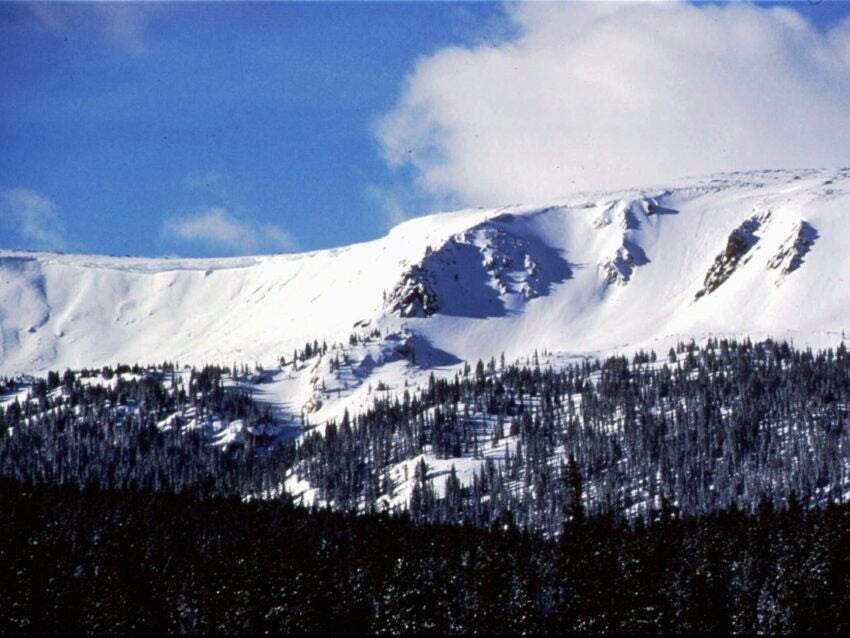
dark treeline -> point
(95, 561)
(134, 433)
(703, 427)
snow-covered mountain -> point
(760, 254)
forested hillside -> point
(703, 427)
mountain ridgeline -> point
(758, 254)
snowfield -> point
(758, 254)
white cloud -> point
(216, 228)
(30, 218)
(603, 95)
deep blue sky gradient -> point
(266, 109)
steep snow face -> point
(761, 253)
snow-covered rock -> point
(735, 254)
(790, 255)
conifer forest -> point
(699, 490)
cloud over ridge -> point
(30, 218)
(603, 95)
(218, 229)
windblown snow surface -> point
(753, 254)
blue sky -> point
(224, 128)
(126, 119)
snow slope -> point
(759, 253)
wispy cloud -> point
(389, 206)
(29, 219)
(123, 25)
(397, 201)
(216, 228)
(602, 95)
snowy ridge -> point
(592, 274)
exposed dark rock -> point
(740, 242)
